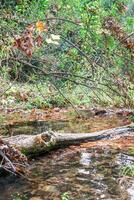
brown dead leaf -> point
(25, 42)
(39, 40)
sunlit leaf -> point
(50, 41)
(55, 37)
(40, 26)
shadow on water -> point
(71, 174)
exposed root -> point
(12, 160)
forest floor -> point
(85, 119)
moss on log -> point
(35, 144)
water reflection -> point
(83, 171)
(86, 175)
(130, 191)
(68, 125)
(85, 158)
(123, 159)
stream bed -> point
(84, 172)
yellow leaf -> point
(40, 26)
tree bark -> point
(36, 144)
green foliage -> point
(2, 118)
(132, 117)
(18, 196)
(128, 170)
(85, 50)
(64, 196)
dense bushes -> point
(87, 54)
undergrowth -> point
(29, 96)
(66, 53)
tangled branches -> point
(12, 160)
(118, 32)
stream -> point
(84, 172)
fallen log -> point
(44, 142)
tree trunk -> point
(35, 144)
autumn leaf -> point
(40, 26)
(30, 28)
(39, 40)
(25, 42)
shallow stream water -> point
(73, 173)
